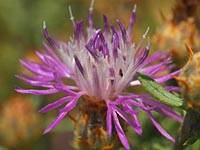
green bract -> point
(158, 92)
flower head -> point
(189, 79)
(102, 63)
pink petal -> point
(120, 132)
(159, 128)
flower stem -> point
(189, 132)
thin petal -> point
(127, 108)
(157, 56)
(37, 68)
(164, 78)
(128, 120)
(153, 69)
(62, 114)
(159, 128)
(159, 79)
(36, 83)
(36, 92)
(120, 132)
(171, 114)
(55, 122)
(55, 104)
(172, 88)
(71, 104)
(109, 120)
(37, 78)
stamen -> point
(44, 25)
(90, 46)
(144, 55)
(148, 44)
(71, 15)
(115, 46)
(91, 6)
(106, 26)
(96, 82)
(48, 38)
(112, 72)
(123, 31)
(142, 39)
(132, 20)
(90, 16)
(78, 64)
(102, 45)
(115, 42)
(79, 31)
(134, 8)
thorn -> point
(190, 52)
(162, 16)
(72, 118)
(183, 81)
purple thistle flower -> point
(102, 63)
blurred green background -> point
(21, 23)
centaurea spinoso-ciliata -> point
(102, 63)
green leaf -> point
(158, 92)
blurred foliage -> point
(22, 20)
(179, 28)
(20, 124)
(21, 33)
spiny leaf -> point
(158, 92)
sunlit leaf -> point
(158, 92)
